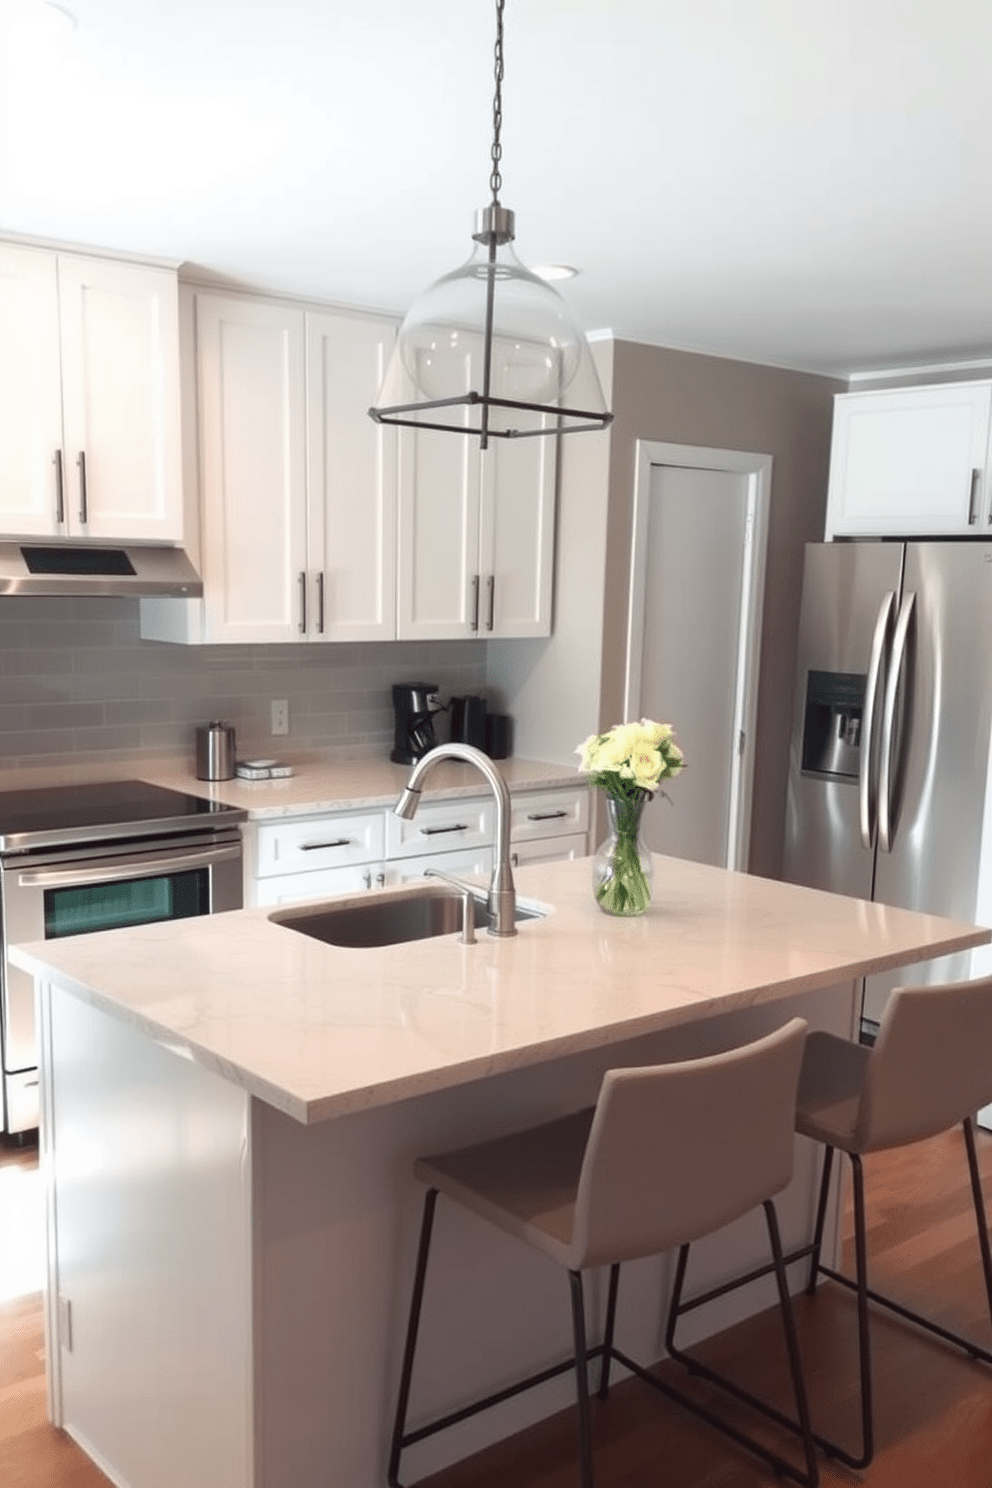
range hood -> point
(82, 568)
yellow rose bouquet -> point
(628, 763)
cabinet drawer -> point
(442, 826)
(460, 864)
(317, 842)
(292, 888)
(548, 814)
(549, 850)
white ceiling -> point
(806, 183)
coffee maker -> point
(414, 704)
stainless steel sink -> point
(391, 919)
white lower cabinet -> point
(460, 863)
(346, 852)
(549, 849)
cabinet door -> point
(548, 813)
(351, 481)
(910, 462)
(30, 392)
(478, 860)
(250, 374)
(120, 399)
(439, 579)
(516, 558)
(327, 883)
(550, 850)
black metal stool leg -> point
(821, 1215)
(792, 1342)
(608, 1331)
(673, 1309)
(581, 1380)
(864, 1342)
(808, 1475)
(406, 1374)
(976, 1193)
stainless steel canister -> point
(215, 751)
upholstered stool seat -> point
(656, 1164)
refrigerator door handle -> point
(865, 767)
(885, 779)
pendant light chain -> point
(495, 179)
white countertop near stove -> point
(322, 785)
(319, 1031)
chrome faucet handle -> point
(468, 894)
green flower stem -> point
(626, 891)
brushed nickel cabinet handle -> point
(976, 476)
(319, 846)
(474, 622)
(545, 815)
(320, 603)
(303, 603)
(491, 607)
(440, 831)
(83, 503)
(59, 489)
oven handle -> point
(129, 867)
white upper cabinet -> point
(476, 537)
(89, 398)
(351, 481)
(911, 462)
(252, 468)
(438, 580)
(516, 558)
(297, 484)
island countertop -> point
(318, 1031)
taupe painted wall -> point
(682, 398)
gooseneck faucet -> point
(502, 902)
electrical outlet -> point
(280, 716)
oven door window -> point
(128, 901)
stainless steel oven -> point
(99, 857)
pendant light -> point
(492, 350)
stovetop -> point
(101, 811)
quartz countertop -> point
(318, 1031)
(321, 785)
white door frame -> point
(758, 470)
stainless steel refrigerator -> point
(888, 794)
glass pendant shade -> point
(539, 376)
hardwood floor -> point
(933, 1405)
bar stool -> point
(929, 1070)
(669, 1153)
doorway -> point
(694, 629)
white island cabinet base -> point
(232, 1213)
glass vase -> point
(621, 869)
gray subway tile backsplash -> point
(77, 683)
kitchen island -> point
(231, 1110)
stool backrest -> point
(677, 1150)
(931, 1065)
